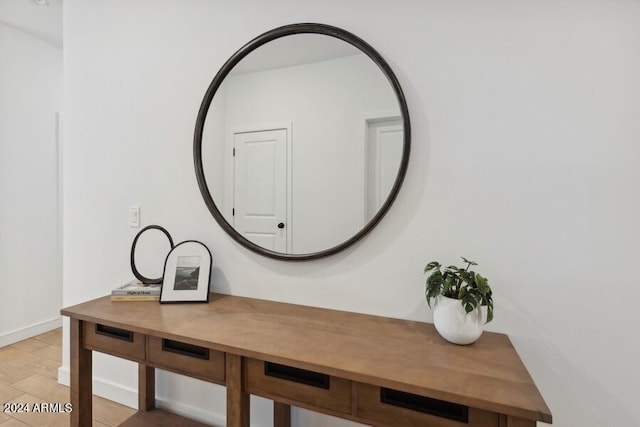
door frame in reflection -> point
(369, 121)
(231, 179)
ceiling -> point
(40, 18)
(294, 50)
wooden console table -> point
(374, 370)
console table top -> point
(399, 354)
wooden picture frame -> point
(187, 271)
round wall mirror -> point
(302, 142)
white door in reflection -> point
(260, 190)
(383, 155)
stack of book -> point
(136, 291)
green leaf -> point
(435, 279)
(431, 266)
(483, 284)
(468, 307)
(462, 292)
(448, 284)
(467, 276)
(489, 314)
(469, 262)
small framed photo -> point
(187, 270)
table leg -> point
(81, 375)
(146, 387)
(281, 415)
(509, 421)
(237, 399)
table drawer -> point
(393, 407)
(116, 341)
(299, 387)
(187, 359)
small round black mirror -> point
(152, 245)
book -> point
(135, 297)
(137, 288)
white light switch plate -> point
(134, 216)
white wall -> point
(524, 158)
(30, 256)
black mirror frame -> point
(134, 269)
(287, 30)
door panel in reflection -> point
(384, 153)
(260, 190)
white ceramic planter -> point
(454, 324)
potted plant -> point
(458, 294)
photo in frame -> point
(187, 270)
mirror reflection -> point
(302, 143)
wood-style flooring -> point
(28, 375)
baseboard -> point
(107, 389)
(194, 413)
(129, 397)
(30, 331)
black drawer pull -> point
(427, 405)
(296, 375)
(185, 349)
(117, 333)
